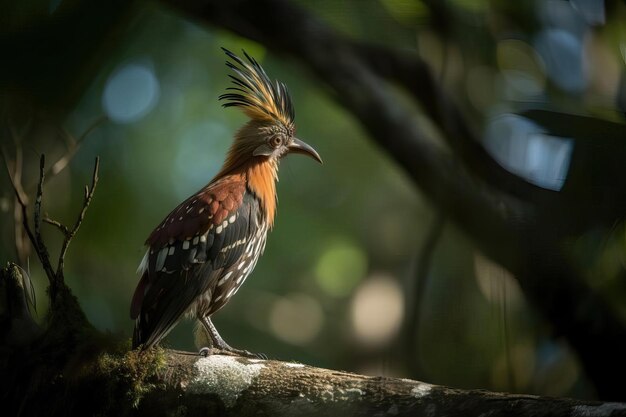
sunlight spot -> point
(130, 93)
(521, 67)
(296, 318)
(377, 310)
(200, 152)
(524, 148)
(340, 268)
(495, 282)
(562, 53)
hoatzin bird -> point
(203, 251)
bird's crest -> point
(255, 93)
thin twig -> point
(39, 198)
(35, 239)
(70, 235)
(40, 246)
(58, 224)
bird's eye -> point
(276, 141)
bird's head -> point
(270, 134)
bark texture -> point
(232, 386)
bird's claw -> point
(262, 356)
(251, 355)
(243, 353)
(229, 351)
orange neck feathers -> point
(259, 172)
(262, 177)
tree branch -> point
(55, 278)
(231, 386)
(39, 244)
(406, 68)
(71, 233)
(34, 238)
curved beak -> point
(298, 146)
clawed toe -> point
(251, 355)
(207, 351)
(260, 355)
(243, 353)
(248, 354)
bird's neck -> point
(260, 172)
(261, 177)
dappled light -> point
(377, 310)
(524, 148)
(340, 268)
(130, 93)
(296, 318)
(496, 283)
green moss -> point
(130, 373)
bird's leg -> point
(219, 343)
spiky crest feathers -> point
(255, 94)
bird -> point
(202, 252)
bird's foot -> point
(230, 351)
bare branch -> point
(35, 238)
(71, 233)
(40, 246)
(414, 74)
(39, 197)
(57, 224)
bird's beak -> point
(298, 146)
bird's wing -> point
(187, 253)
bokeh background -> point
(338, 284)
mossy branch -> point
(173, 383)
